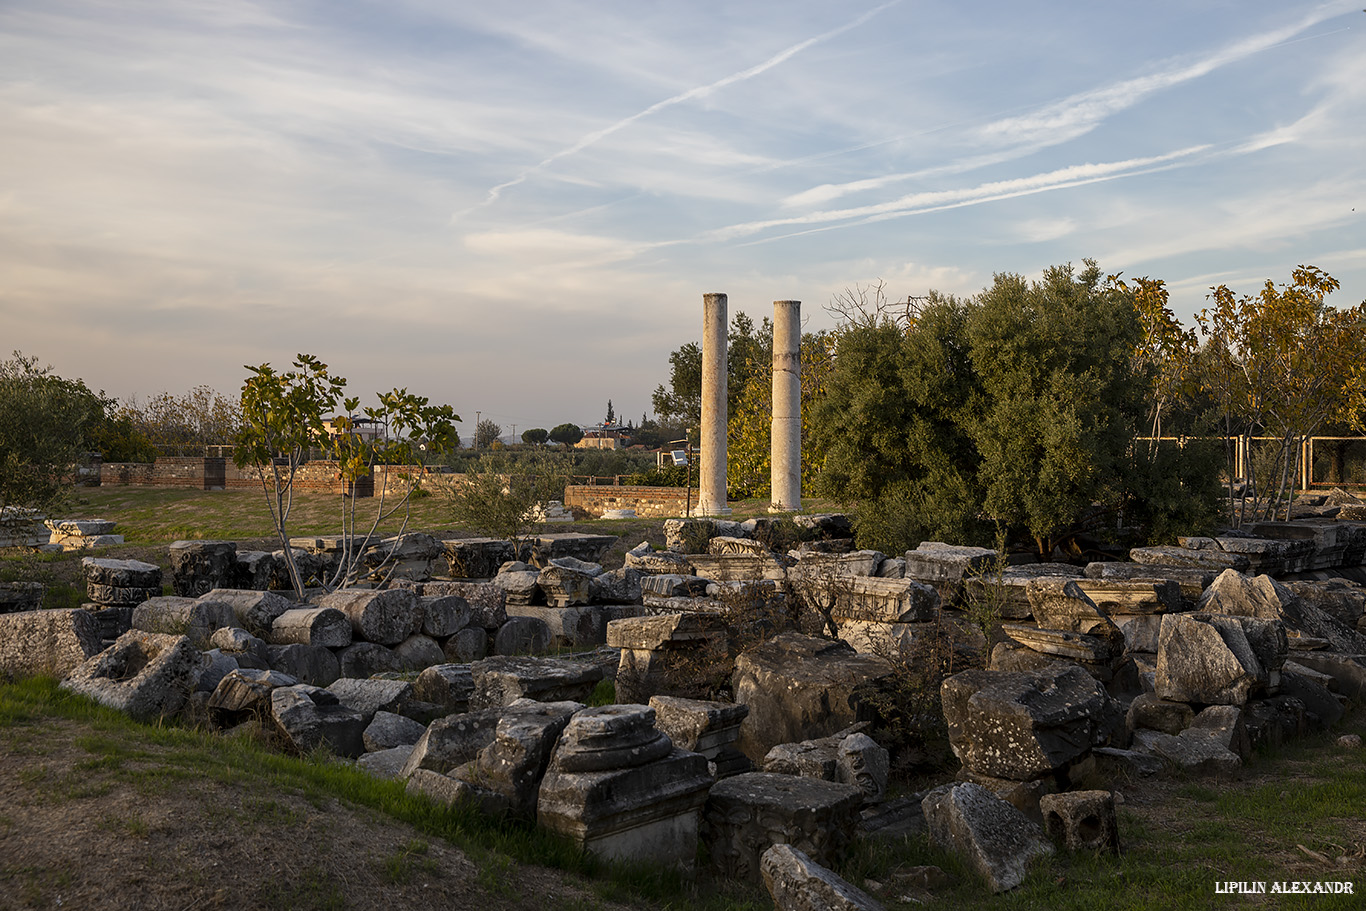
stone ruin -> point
(1185, 658)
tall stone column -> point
(785, 457)
(711, 483)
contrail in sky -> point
(701, 91)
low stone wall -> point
(214, 474)
(646, 501)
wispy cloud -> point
(914, 203)
(692, 94)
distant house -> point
(604, 436)
(366, 429)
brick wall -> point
(646, 501)
(202, 474)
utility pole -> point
(476, 430)
(513, 440)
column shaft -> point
(786, 452)
(711, 483)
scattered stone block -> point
(520, 587)
(53, 642)
(565, 583)
(747, 814)
(443, 615)
(486, 600)
(1194, 752)
(198, 567)
(619, 586)
(386, 616)
(388, 730)
(370, 696)
(512, 765)
(662, 654)
(938, 564)
(709, 728)
(447, 685)
(470, 644)
(797, 883)
(797, 686)
(21, 596)
(198, 619)
(645, 559)
(1024, 726)
(1082, 820)
(366, 659)
(406, 556)
(385, 763)
(311, 664)
(144, 675)
(321, 626)
(588, 548)
(1214, 659)
(1149, 711)
(310, 718)
(245, 692)
(477, 558)
(256, 610)
(1190, 579)
(503, 680)
(1210, 560)
(522, 636)
(737, 567)
(418, 652)
(994, 838)
(868, 598)
(618, 787)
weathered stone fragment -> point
(658, 653)
(936, 563)
(1082, 820)
(502, 680)
(121, 573)
(51, 642)
(21, 596)
(522, 636)
(1211, 560)
(470, 644)
(386, 616)
(256, 610)
(245, 691)
(324, 626)
(443, 615)
(619, 586)
(1026, 725)
(370, 696)
(747, 814)
(994, 838)
(1214, 659)
(385, 763)
(311, 664)
(406, 556)
(868, 598)
(797, 883)
(797, 686)
(477, 558)
(486, 600)
(736, 567)
(447, 685)
(198, 567)
(519, 587)
(145, 675)
(588, 548)
(388, 730)
(514, 763)
(418, 652)
(1149, 711)
(198, 619)
(646, 560)
(366, 659)
(566, 582)
(619, 788)
(709, 728)
(1190, 579)
(309, 717)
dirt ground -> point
(72, 835)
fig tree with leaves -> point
(287, 416)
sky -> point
(516, 208)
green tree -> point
(1060, 399)
(502, 499)
(536, 436)
(286, 417)
(566, 434)
(892, 426)
(681, 403)
(47, 424)
(1283, 363)
(486, 433)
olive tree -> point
(47, 423)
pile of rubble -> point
(1186, 658)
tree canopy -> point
(47, 424)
